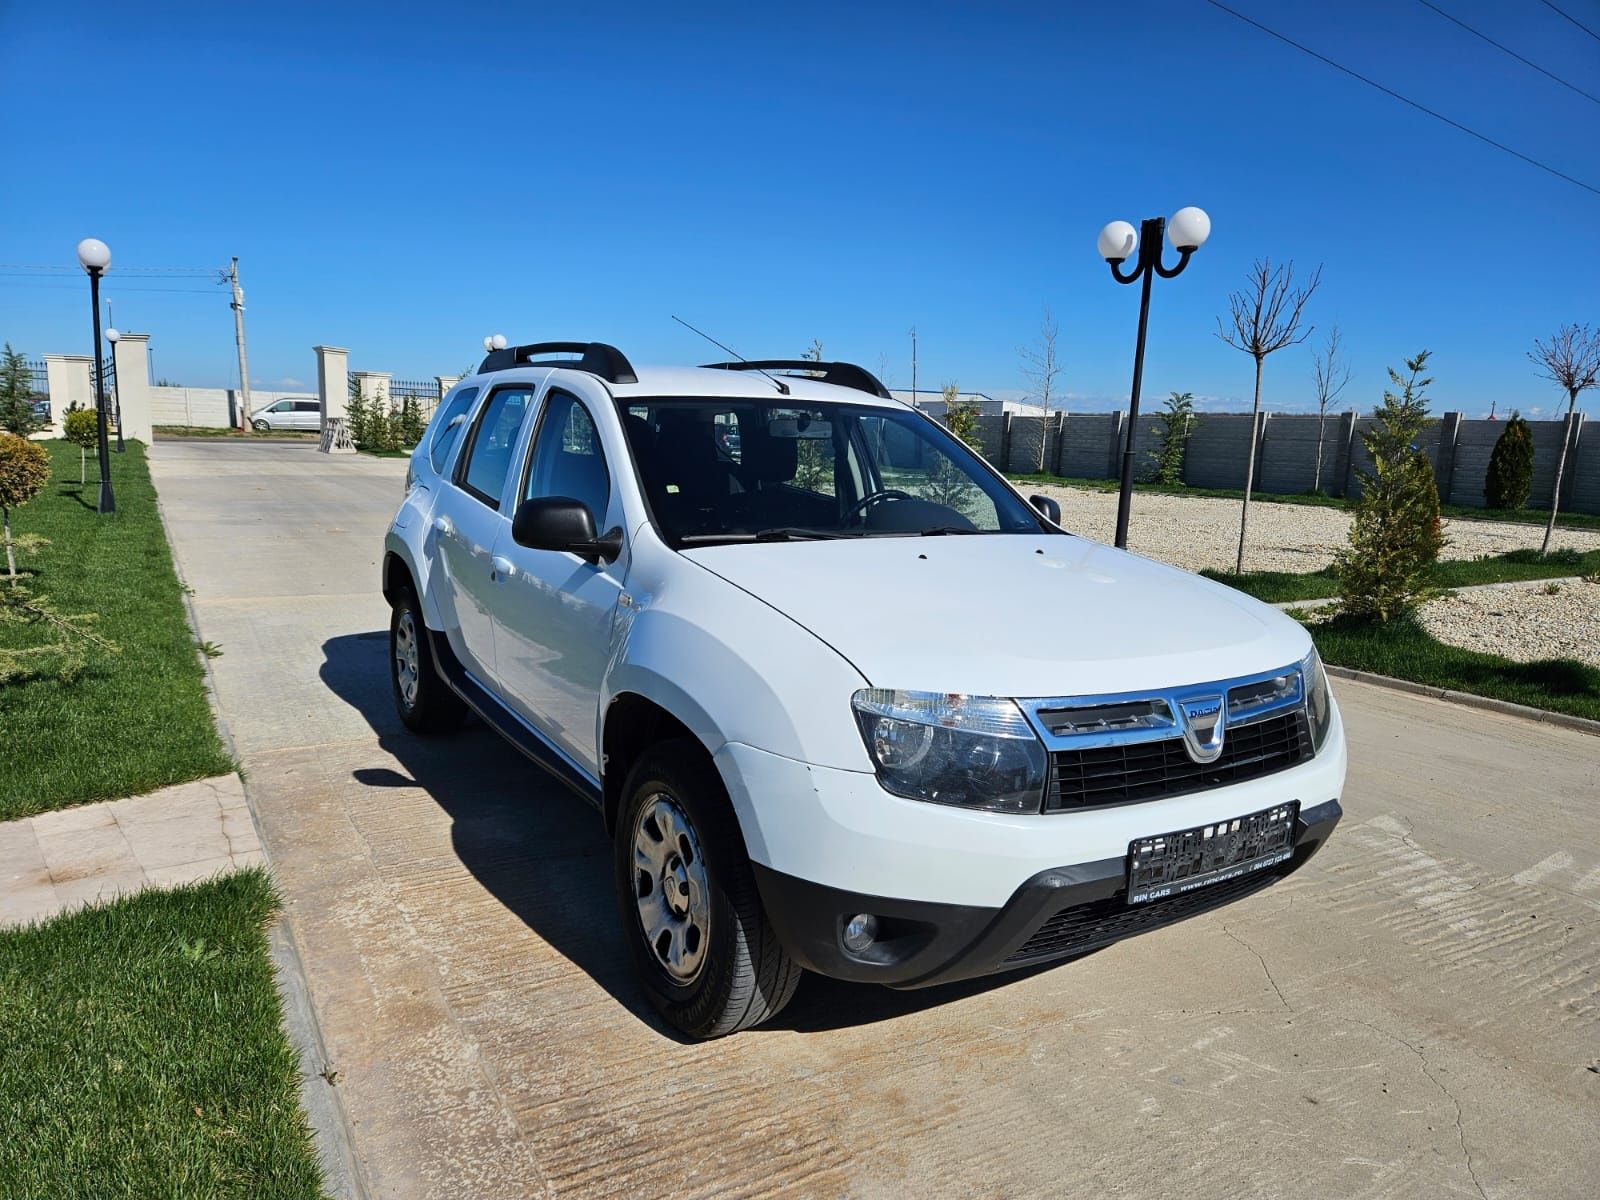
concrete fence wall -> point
(213, 408)
(1089, 446)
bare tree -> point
(813, 351)
(1570, 358)
(1330, 373)
(1040, 366)
(883, 371)
(1263, 318)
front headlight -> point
(972, 751)
(1319, 703)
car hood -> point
(1011, 614)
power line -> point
(1573, 19)
(54, 269)
(72, 287)
(1422, 108)
(1508, 50)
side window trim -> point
(550, 396)
(464, 455)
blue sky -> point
(402, 179)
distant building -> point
(931, 401)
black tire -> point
(260, 426)
(430, 706)
(745, 976)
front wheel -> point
(691, 915)
(261, 426)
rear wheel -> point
(696, 931)
(425, 702)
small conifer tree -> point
(1510, 476)
(1396, 536)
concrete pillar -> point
(1444, 467)
(1005, 441)
(70, 379)
(1119, 420)
(333, 389)
(1347, 438)
(446, 382)
(1261, 448)
(1061, 437)
(374, 385)
(1569, 481)
(132, 354)
(333, 381)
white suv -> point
(844, 700)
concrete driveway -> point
(1413, 1015)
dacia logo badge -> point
(1203, 725)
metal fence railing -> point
(40, 378)
(424, 391)
(108, 383)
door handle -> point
(442, 526)
(501, 567)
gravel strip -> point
(1197, 532)
(1523, 624)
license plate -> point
(1173, 863)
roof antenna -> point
(783, 388)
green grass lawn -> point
(143, 1056)
(1521, 516)
(1403, 650)
(1282, 587)
(132, 722)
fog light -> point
(860, 931)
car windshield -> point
(720, 470)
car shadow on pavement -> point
(542, 852)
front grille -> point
(1100, 922)
(1152, 770)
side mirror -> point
(562, 523)
(1047, 508)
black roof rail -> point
(841, 374)
(597, 358)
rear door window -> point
(488, 455)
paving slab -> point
(57, 861)
(1413, 1014)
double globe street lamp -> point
(1118, 242)
(95, 256)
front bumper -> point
(1058, 913)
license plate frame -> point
(1170, 864)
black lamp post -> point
(1188, 230)
(114, 337)
(95, 256)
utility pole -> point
(914, 403)
(231, 276)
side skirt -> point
(508, 724)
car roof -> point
(659, 382)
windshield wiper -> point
(779, 533)
(793, 533)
